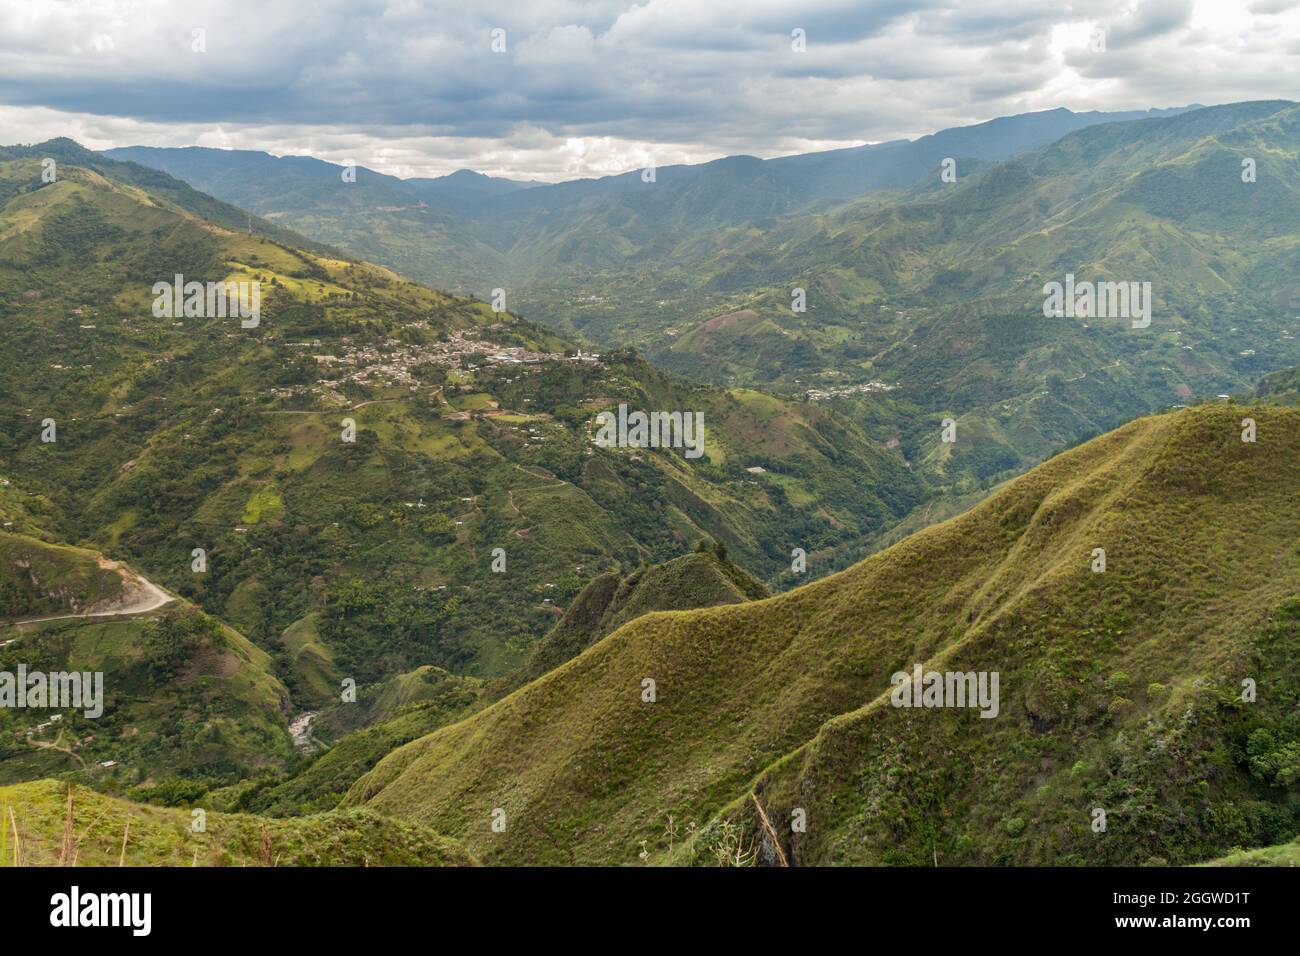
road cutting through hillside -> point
(142, 597)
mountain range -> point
(361, 559)
(365, 588)
(931, 289)
(471, 233)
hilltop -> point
(704, 578)
(1120, 690)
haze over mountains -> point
(409, 598)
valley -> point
(933, 288)
(387, 576)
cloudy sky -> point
(589, 87)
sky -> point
(558, 89)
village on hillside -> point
(392, 362)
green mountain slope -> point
(701, 579)
(938, 295)
(1119, 690)
(66, 153)
(401, 223)
(1161, 196)
(409, 706)
(309, 663)
(1281, 388)
(1287, 854)
(108, 831)
(932, 289)
(472, 433)
(422, 688)
(356, 737)
(42, 579)
(182, 693)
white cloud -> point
(594, 86)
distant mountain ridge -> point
(472, 233)
(213, 170)
(835, 174)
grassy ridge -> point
(1121, 691)
(1288, 854)
(701, 579)
(310, 662)
(1200, 530)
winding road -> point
(141, 597)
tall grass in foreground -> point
(69, 849)
(4, 838)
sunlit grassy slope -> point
(1119, 690)
(107, 830)
(1287, 854)
(698, 580)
